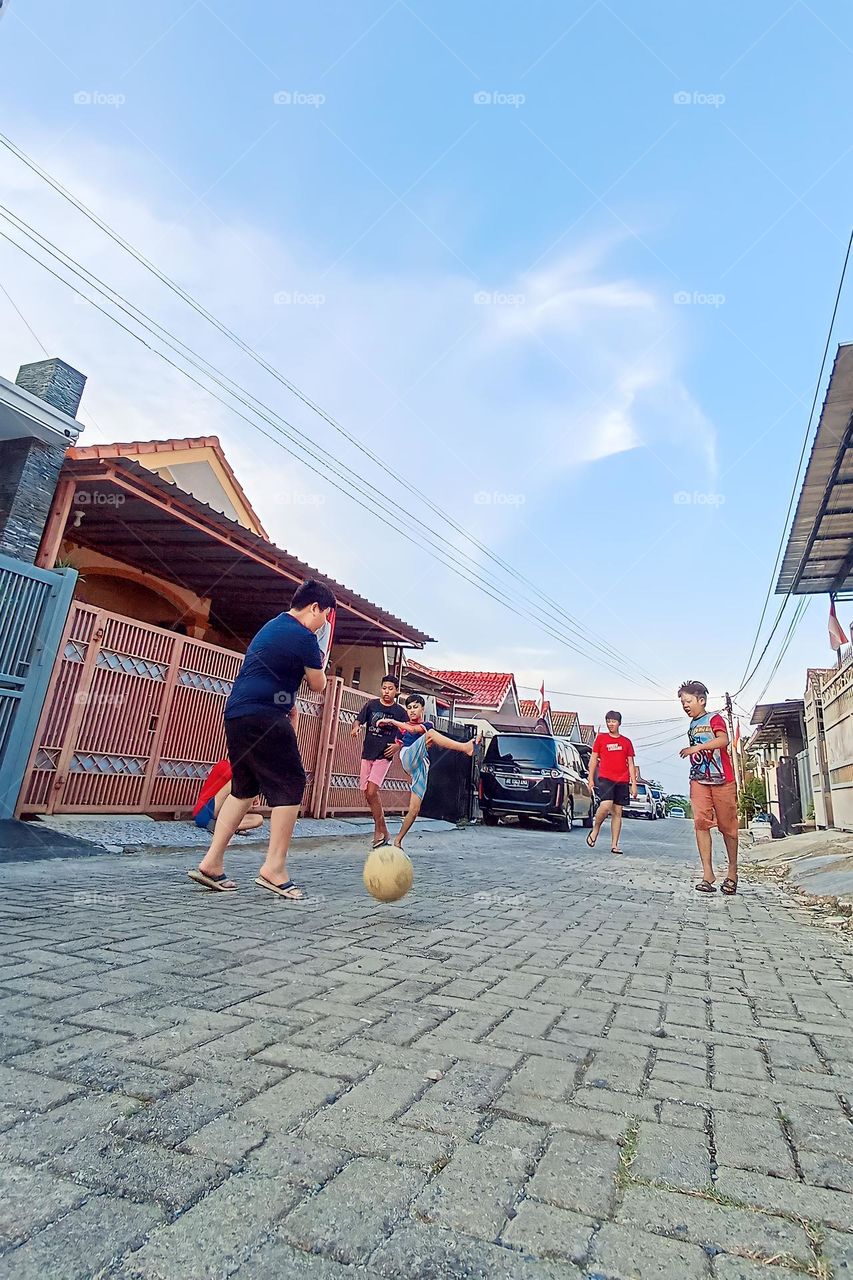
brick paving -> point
(543, 1064)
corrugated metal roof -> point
(819, 555)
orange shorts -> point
(714, 806)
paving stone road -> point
(546, 1063)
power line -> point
(583, 632)
(386, 517)
(745, 679)
(22, 317)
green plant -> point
(752, 798)
(810, 813)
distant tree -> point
(752, 798)
(679, 802)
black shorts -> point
(618, 792)
(265, 759)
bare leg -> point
(282, 821)
(703, 841)
(600, 815)
(615, 826)
(251, 822)
(436, 739)
(732, 851)
(228, 820)
(409, 820)
(374, 803)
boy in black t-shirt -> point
(378, 750)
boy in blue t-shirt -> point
(260, 730)
(417, 736)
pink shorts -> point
(373, 771)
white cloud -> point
(461, 396)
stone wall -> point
(29, 471)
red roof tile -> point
(488, 688)
(588, 733)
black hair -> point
(614, 715)
(390, 680)
(696, 688)
(312, 592)
(415, 697)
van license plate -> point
(515, 782)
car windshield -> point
(524, 750)
(641, 790)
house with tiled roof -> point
(530, 711)
(492, 691)
(587, 734)
(567, 725)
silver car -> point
(643, 805)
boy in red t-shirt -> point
(214, 789)
(617, 778)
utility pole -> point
(734, 754)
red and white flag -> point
(737, 735)
(542, 698)
(325, 637)
(836, 632)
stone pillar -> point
(29, 469)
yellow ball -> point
(388, 874)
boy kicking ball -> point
(417, 736)
(713, 793)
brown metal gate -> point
(133, 720)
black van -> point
(534, 775)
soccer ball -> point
(388, 874)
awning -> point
(777, 722)
(24, 415)
(132, 514)
(819, 555)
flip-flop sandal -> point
(729, 887)
(221, 883)
(619, 851)
(283, 890)
(380, 844)
(705, 886)
(590, 841)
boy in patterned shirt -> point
(713, 793)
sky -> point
(566, 267)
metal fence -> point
(34, 604)
(133, 721)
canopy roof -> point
(776, 721)
(133, 515)
(819, 555)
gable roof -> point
(588, 733)
(565, 723)
(530, 707)
(157, 455)
(488, 688)
(448, 689)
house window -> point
(356, 677)
(339, 672)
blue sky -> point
(558, 311)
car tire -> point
(489, 819)
(564, 821)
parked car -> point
(660, 802)
(643, 805)
(677, 813)
(534, 775)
